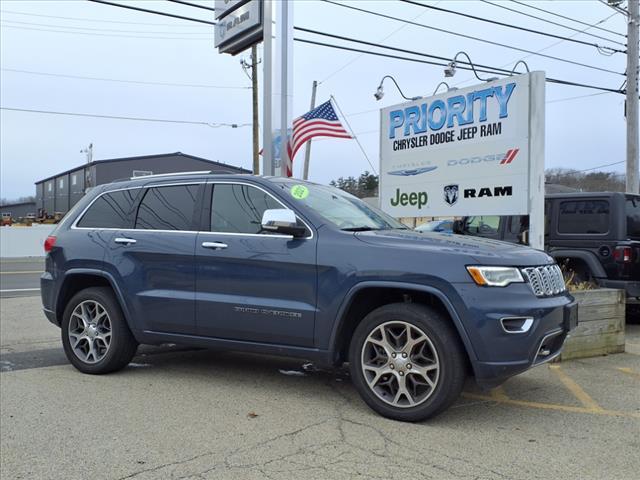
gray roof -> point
(110, 160)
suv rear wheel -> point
(406, 362)
(95, 336)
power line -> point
(558, 100)
(470, 37)
(546, 48)
(404, 25)
(119, 117)
(80, 19)
(516, 27)
(91, 34)
(192, 5)
(615, 7)
(599, 166)
(155, 12)
(551, 22)
(568, 18)
(49, 25)
(118, 80)
(480, 68)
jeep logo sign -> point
(472, 151)
(415, 199)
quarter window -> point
(111, 210)
(239, 208)
(168, 208)
(584, 216)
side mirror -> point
(459, 227)
(283, 221)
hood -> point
(483, 251)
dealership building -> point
(58, 193)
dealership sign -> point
(239, 25)
(473, 151)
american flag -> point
(322, 121)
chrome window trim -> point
(290, 237)
(75, 226)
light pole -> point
(633, 18)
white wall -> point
(23, 241)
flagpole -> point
(307, 152)
(333, 99)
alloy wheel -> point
(90, 331)
(400, 364)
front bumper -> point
(501, 354)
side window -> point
(111, 210)
(167, 208)
(239, 208)
(484, 226)
(584, 216)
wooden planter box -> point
(601, 324)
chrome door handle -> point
(125, 241)
(214, 245)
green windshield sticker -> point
(299, 192)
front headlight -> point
(495, 276)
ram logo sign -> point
(466, 149)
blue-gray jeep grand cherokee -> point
(281, 266)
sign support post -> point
(285, 59)
(536, 159)
(267, 92)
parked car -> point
(443, 226)
(596, 236)
(6, 219)
(281, 266)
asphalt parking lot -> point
(176, 413)
(20, 276)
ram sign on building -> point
(473, 151)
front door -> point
(253, 285)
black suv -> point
(596, 235)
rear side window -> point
(168, 208)
(111, 210)
(239, 208)
(584, 217)
(633, 217)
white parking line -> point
(20, 290)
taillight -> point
(622, 254)
(49, 243)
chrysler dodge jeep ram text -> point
(281, 266)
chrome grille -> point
(545, 281)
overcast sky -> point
(96, 41)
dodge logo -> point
(451, 194)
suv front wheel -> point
(407, 362)
(95, 335)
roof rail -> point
(199, 172)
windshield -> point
(633, 217)
(340, 208)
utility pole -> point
(633, 19)
(256, 126)
(307, 152)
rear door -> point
(252, 285)
(154, 260)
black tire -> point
(444, 339)
(122, 345)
